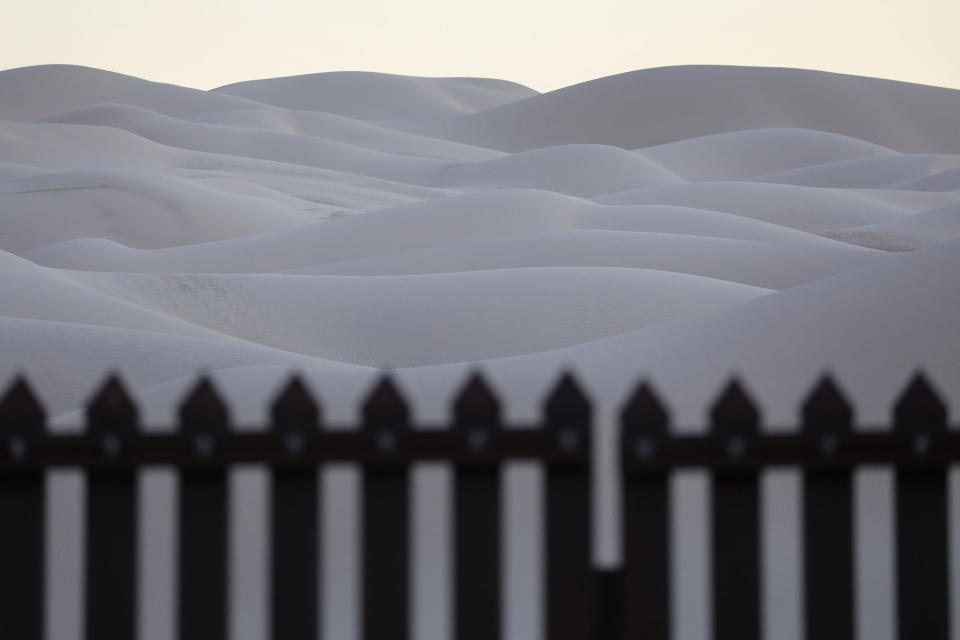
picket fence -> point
(630, 602)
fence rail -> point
(581, 602)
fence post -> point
(828, 519)
(295, 528)
(111, 540)
(922, 581)
(646, 518)
(22, 501)
(203, 540)
(386, 500)
(736, 522)
(569, 579)
(477, 514)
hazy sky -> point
(545, 44)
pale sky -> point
(545, 44)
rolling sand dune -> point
(682, 223)
(37, 92)
(422, 225)
(690, 101)
(743, 154)
(381, 96)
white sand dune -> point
(796, 207)
(682, 223)
(31, 93)
(944, 181)
(329, 126)
(871, 326)
(690, 101)
(392, 321)
(579, 170)
(775, 265)
(39, 293)
(737, 155)
(891, 172)
(422, 225)
(774, 179)
(381, 96)
(136, 209)
(921, 230)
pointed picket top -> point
(385, 404)
(644, 411)
(919, 408)
(734, 412)
(295, 406)
(111, 409)
(476, 403)
(20, 409)
(567, 402)
(826, 409)
(202, 408)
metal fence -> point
(582, 602)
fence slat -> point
(386, 491)
(736, 523)
(477, 517)
(22, 501)
(111, 540)
(294, 585)
(202, 601)
(828, 520)
(921, 500)
(569, 576)
(646, 518)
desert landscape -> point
(681, 224)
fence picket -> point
(921, 500)
(646, 519)
(736, 521)
(828, 520)
(569, 577)
(477, 515)
(386, 501)
(111, 540)
(22, 502)
(202, 601)
(294, 586)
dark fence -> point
(581, 602)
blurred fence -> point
(631, 602)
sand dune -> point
(775, 265)
(31, 93)
(133, 208)
(392, 321)
(751, 152)
(896, 172)
(381, 96)
(579, 170)
(425, 223)
(416, 226)
(691, 101)
(796, 207)
(921, 230)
